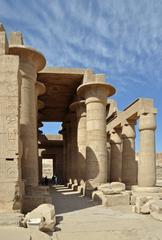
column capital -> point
(128, 129)
(147, 121)
(40, 88)
(28, 54)
(79, 107)
(115, 136)
(97, 90)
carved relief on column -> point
(116, 155)
(129, 164)
(10, 147)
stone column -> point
(66, 125)
(40, 165)
(31, 62)
(108, 158)
(116, 156)
(95, 92)
(80, 166)
(40, 90)
(64, 172)
(129, 164)
(147, 156)
(73, 147)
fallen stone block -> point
(142, 203)
(111, 199)
(43, 217)
(156, 209)
(112, 188)
(122, 198)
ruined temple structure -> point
(96, 144)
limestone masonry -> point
(95, 149)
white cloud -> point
(118, 37)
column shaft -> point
(31, 61)
(108, 159)
(80, 108)
(29, 125)
(147, 158)
(73, 146)
(129, 165)
(96, 153)
(95, 91)
(116, 156)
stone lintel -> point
(127, 122)
(29, 54)
(141, 105)
(63, 71)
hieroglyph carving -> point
(9, 116)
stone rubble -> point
(45, 213)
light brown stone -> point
(43, 216)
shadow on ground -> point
(66, 200)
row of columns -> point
(93, 164)
(84, 133)
(123, 165)
(121, 148)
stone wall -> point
(10, 156)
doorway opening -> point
(47, 168)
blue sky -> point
(121, 38)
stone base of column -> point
(11, 196)
(74, 187)
(142, 197)
(70, 183)
(122, 198)
(81, 188)
(154, 189)
(34, 196)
